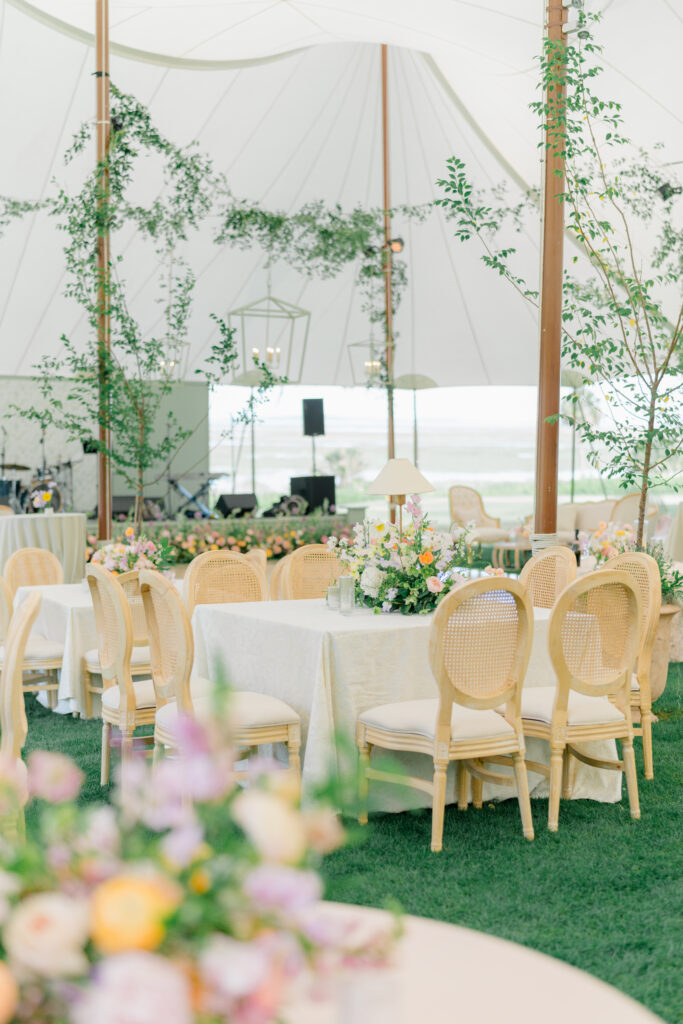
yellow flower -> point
(128, 912)
(199, 881)
(47, 496)
(130, 532)
(621, 533)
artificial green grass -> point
(604, 893)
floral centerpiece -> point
(187, 900)
(133, 553)
(608, 540)
(409, 570)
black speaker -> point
(123, 504)
(315, 489)
(314, 417)
(236, 504)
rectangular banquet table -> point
(63, 533)
(330, 667)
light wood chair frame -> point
(543, 563)
(32, 567)
(129, 581)
(199, 565)
(292, 582)
(650, 606)
(115, 666)
(13, 722)
(562, 737)
(482, 516)
(40, 675)
(470, 755)
(155, 586)
(5, 510)
(277, 583)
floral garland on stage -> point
(186, 900)
(408, 571)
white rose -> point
(45, 936)
(274, 827)
(371, 580)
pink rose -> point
(434, 585)
(53, 777)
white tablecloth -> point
(66, 614)
(330, 668)
(443, 974)
(63, 533)
(673, 545)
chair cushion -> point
(566, 518)
(489, 534)
(537, 706)
(139, 656)
(419, 718)
(248, 710)
(144, 695)
(635, 685)
(39, 648)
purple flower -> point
(181, 845)
(136, 988)
(275, 887)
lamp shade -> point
(400, 476)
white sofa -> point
(586, 516)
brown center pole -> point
(547, 434)
(103, 269)
(388, 297)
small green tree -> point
(622, 315)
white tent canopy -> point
(285, 96)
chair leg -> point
(646, 723)
(52, 695)
(363, 782)
(438, 804)
(106, 753)
(293, 748)
(126, 745)
(87, 692)
(477, 789)
(158, 752)
(566, 774)
(629, 760)
(523, 795)
(463, 778)
(556, 763)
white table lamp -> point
(399, 478)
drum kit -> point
(47, 488)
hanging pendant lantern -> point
(365, 359)
(271, 331)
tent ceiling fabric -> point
(306, 126)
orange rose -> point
(426, 558)
(9, 994)
(128, 912)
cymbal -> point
(14, 466)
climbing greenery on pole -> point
(622, 317)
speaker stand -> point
(315, 471)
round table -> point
(63, 533)
(443, 974)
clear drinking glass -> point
(347, 594)
(333, 597)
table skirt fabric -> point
(331, 667)
(62, 533)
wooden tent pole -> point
(547, 434)
(104, 503)
(388, 297)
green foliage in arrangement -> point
(622, 317)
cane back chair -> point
(126, 704)
(644, 573)
(223, 577)
(466, 506)
(257, 718)
(33, 567)
(139, 660)
(42, 657)
(13, 724)
(548, 573)
(480, 642)
(277, 579)
(593, 638)
(311, 569)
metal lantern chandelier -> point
(365, 360)
(273, 332)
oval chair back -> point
(258, 558)
(593, 638)
(643, 572)
(114, 625)
(277, 585)
(547, 574)
(466, 506)
(5, 510)
(223, 577)
(5, 609)
(33, 567)
(479, 646)
(310, 571)
(130, 583)
(13, 724)
(171, 644)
